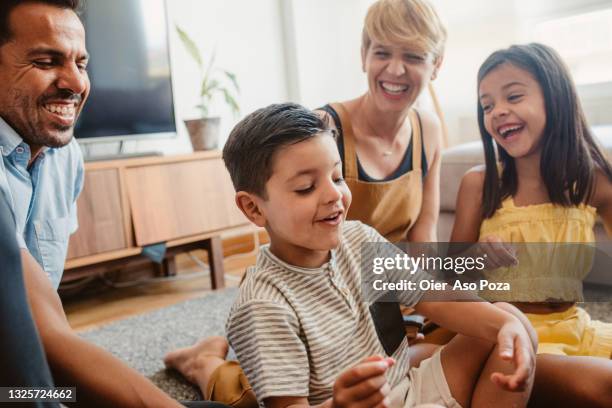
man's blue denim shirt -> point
(42, 197)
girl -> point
(550, 181)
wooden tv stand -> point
(186, 202)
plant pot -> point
(204, 133)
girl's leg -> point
(572, 381)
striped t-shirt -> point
(295, 330)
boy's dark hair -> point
(6, 6)
(570, 154)
(249, 151)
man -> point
(43, 86)
(18, 335)
(100, 379)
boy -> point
(301, 327)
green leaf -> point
(209, 85)
(210, 66)
(208, 88)
(190, 46)
(203, 109)
(232, 77)
(231, 101)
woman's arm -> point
(425, 228)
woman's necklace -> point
(386, 150)
(389, 150)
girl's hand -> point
(364, 385)
(498, 254)
(515, 345)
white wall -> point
(247, 37)
(479, 27)
(327, 44)
(308, 51)
(327, 41)
(475, 29)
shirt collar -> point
(9, 139)
(326, 267)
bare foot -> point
(197, 362)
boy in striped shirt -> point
(301, 327)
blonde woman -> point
(390, 149)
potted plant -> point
(204, 131)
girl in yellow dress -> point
(546, 184)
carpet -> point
(142, 341)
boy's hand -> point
(363, 385)
(514, 345)
(498, 253)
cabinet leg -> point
(215, 258)
(169, 266)
(166, 268)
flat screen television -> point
(129, 69)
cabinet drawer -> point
(100, 216)
(175, 200)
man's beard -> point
(34, 131)
(51, 141)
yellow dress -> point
(551, 268)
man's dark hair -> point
(570, 154)
(250, 148)
(6, 6)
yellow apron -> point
(391, 207)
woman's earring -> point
(434, 76)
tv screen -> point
(129, 69)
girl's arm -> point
(468, 215)
(603, 200)
(424, 230)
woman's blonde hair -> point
(413, 22)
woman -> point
(391, 150)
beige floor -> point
(87, 312)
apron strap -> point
(348, 140)
(416, 139)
